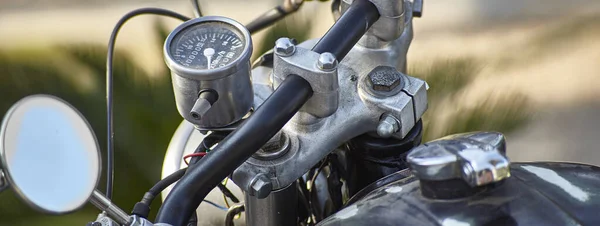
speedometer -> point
(207, 45)
(209, 59)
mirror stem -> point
(112, 210)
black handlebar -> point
(346, 31)
(232, 151)
(263, 124)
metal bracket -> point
(139, 221)
(324, 82)
(390, 25)
(359, 111)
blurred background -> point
(529, 68)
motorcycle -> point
(323, 132)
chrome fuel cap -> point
(476, 158)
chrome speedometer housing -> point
(208, 25)
(207, 45)
(209, 59)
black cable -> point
(273, 15)
(266, 19)
(197, 9)
(312, 189)
(302, 195)
(334, 183)
(142, 208)
(163, 184)
(335, 9)
(228, 193)
(346, 31)
(232, 151)
(109, 89)
(314, 177)
(208, 141)
(193, 220)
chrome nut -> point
(387, 126)
(327, 62)
(284, 47)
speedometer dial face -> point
(207, 45)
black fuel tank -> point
(536, 194)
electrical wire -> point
(209, 141)
(212, 139)
(311, 186)
(197, 9)
(224, 183)
(193, 220)
(197, 154)
(109, 88)
(228, 194)
(335, 9)
(301, 186)
(142, 208)
(314, 177)
(234, 150)
(270, 17)
(232, 212)
(216, 205)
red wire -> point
(199, 154)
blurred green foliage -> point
(294, 26)
(448, 78)
(144, 114)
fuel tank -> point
(540, 193)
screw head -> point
(327, 62)
(387, 126)
(384, 78)
(284, 47)
(261, 186)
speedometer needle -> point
(208, 53)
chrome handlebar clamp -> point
(391, 23)
(351, 98)
(320, 70)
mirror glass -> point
(49, 154)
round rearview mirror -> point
(49, 154)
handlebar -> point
(346, 31)
(233, 150)
(264, 123)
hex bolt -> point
(327, 62)
(284, 47)
(261, 186)
(388, 125)
(384, 78)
